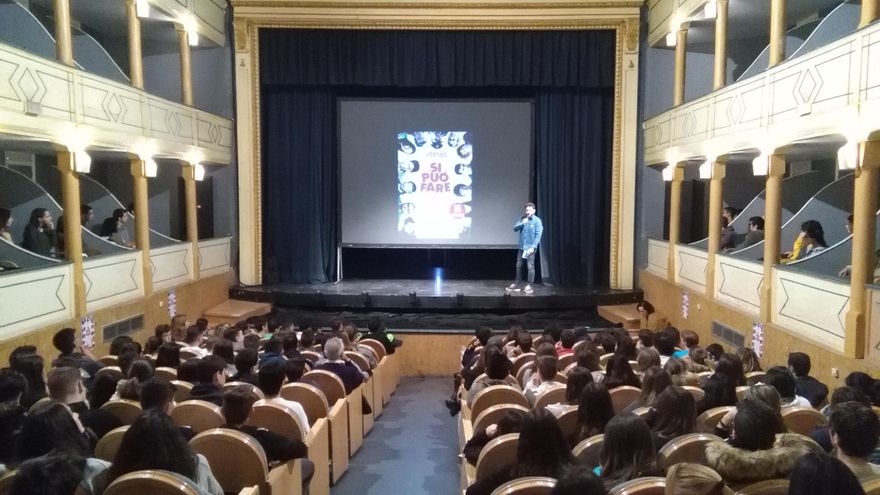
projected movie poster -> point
(434, 184)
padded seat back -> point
(707, 421)
(108, 445)
(553, 396)
(250, 386)
(520, 361)
(311, 356)
(377, 347)
(167, 373)
(275, 418)
(641, 486)
(183, 390)
(330, 384)
(686, 448)
(568, 424)
(623, 396)
(359, 359)
(493, 415)
(588, 450)
(197, 414)
(766, 487)
(498, 453)
(495, 395)
(532, 485)
(125, 410)
(697, 392)
(152, 482)
(310, 397)
(236, 459)
(802, 420)
(564, 361)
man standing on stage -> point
(530, 229)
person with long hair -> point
(762, 393)
(31, 367)
(732, 366)
(810, 241)
(168, 356)
(6, 221)
(578, 378)
(718, 391)
(154, 442)
(655, 381)
(541, 451)
(627, 452)
(594, 410)
(618, 373)
(687, 478)
(750, 360)
(39, 233)
(675, 414)
(819, 474)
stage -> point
(426, 304)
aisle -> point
(413, 447)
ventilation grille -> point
(728, 335)
(123, 327)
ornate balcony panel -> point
(658, 257)
(812, 307)
(215, 256)
(692, 264)
(738, 283)
(70, 103)
(35, 298)
(171, 265)
(832, 90)
(112, 279)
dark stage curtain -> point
(569, 73)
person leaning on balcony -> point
(755, 233)
(810, 241)
(39, 233)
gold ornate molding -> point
(240, 26)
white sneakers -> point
(528, 289)
(515, 288)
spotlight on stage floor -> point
(438, 279)
(413, 298)
(367, 299)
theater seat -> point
(109, 360)
(520, 361)
(641, 486)
(167, 373)
(125, 411)
(276, 418)
(152, 482)
(802, 420)
(623, 396)
(359, 359)
(253, 388)
(741, 391)
(755, 377)
(707, 421)
(564, 361)
(587, 451)
(312, 356)
(498, 453)
(686, 448)
(309, 397)
(552, 396)
(697, 392)
(108, 445)
(197, 414)
(533, 485)
(569, 425)
(318, 439)
(330, 384)
(236, 459)
(331, 387)
(183, 390)
(766, 487)
(493, 415)
(871, 487)
(494, 395)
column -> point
(772, 225)
(72, 227)
(777, 31)
(186, 93)
(681, 37)
(674, 219)
(192, 219)
(716, 196)
(870, 12)
(864, 231)
(720, 66)
(135, 59)
(142, 220)
(63, 39)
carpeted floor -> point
(412, 448)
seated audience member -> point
(272, 351)
(158, 394)
(714, 351)
(195, 337)
(855, 431)
(154, 442)
(5, 223)
(618, 373)
(588, 357)
(39, 234)
(523, 345)
(542, 451)
(625, 345)
(594, 410)
(139, 371)
(646, 339)
(210, 373)
(163, 333)
(178, 328)
(289, 345)
(238, 403)
(245, 363)
(113, 228)
(687, 478)
(56, 473)
(543, 380)
(680, 374)
(654, 383)
(651, 320)
(822, 434)
(65, 341)
(783, 381)
(865, 383)
(497, 370)
(627, 452)
(696, 360)
(819, 474)
(12, 386)
(566, 343)
(103, 388)
(168, 356)
(511, 338)
(805, 385)
(189, 371)
(690, 339)
(272, 378)
(675, 414)
(295, 368)
(223, 349)
(646, 359)
(577, 379)
(119, 344)
(728, 236)
(511, 422)
(755, 233)
(665, 343)
(31, 368)
(763, 394)
(578, 481)
(306, 339)
(236, 336)
(810, 241)
(66, 386)
(731, 366)
(352, 332)
(151, 347)
(336, 363)
(377, 331)
(718, 391)
(755, 452)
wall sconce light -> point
(760, 164)
(192, 30)
(142, 7)
(151, 168)
(710, 11)
(82, 162)
(671, 39)
(199, 172)
(848, 156)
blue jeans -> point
(530, 266)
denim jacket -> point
(529, 233)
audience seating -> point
(187, 355)
(105, 369)
(312, 356)
(359, 359)
(510, 380)
(167, 373)
(568, 424)
(238, 461)
(355, 419)
(741, 391)
(552, 396)
(802, 420)
(183, 390)
(125, 410)
(567, 370)
(703, 376)
(333, 388)
(623, 396)
(336, 413)
(561, 377)
(152, 482)
(390, 372)
(310, 397)
(641, 486)
(494, 395)
(697, 392)
(686, 448)
(587, 451)
(520, 361)
(767, 487)
(253, 388)
(499, 452)
(330, 384)
(318, 439)
(533, 485)
(197, 414)
(603, 359)
(643, 411)
(872, 486)
(276, 418)
(521, 374)
(707, 421)
(109, 360)
(493, 414)
(109, 444)
(6, 480)
(564, 361)
(755, 377)
(368, 392)
(250, 490)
